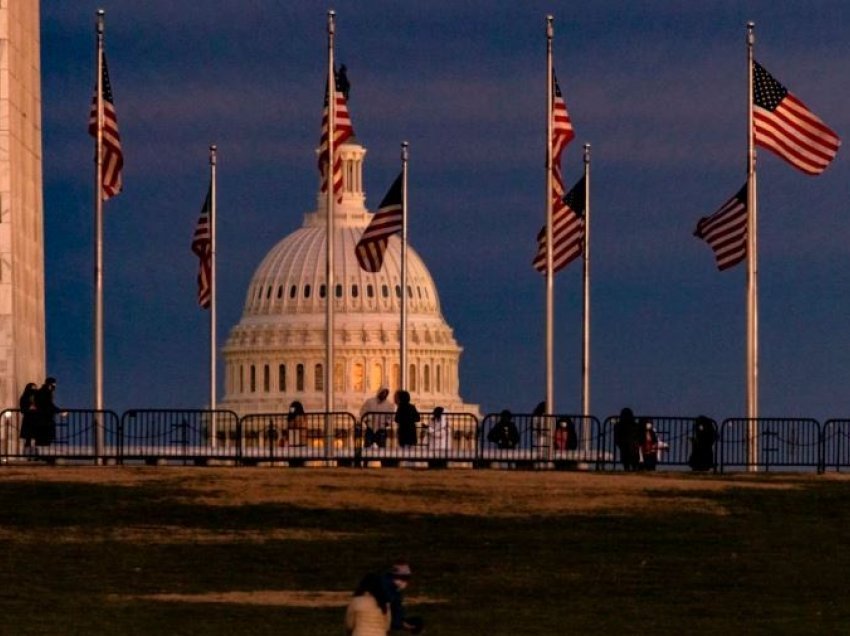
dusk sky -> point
(657, 88)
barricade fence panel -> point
(835, 444)
(653, 442)
(179, 435)
(78, 434)
(764, 443)
(453, 437)
(296, 438)
(541, 441)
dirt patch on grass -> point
(169, 535)
(286, 598)
(426, 492)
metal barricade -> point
(679, 442)
(835, 444)
(71, 434)
(296, 439)
(451, 439)
(179, 435)
(765, 443)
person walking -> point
(46, 409)
(29, 416)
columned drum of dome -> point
(276, 354)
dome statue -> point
(276, 354)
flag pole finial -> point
(100, 15)
(751, 26)
(331, 17)
(213, 151)
(587, 153)
(550, 29)
(404, 147)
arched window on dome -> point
(319, 377)
(306, 291)
(409, 292)
(411, 378)
(299, 377)
(338, 291)
(241, 379)
(292, 291)
(398, 291)
(370, 291)
(279, 292)
(385, 291)
(253, 384)
(357, 377)
(281, 378)
(354, 291)
(438, 378)
(376, 377)
(259, 292)
(266, 378)
(419, 292)
(426, 379)
(269, 292)
(323, 290)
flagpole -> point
(550, 275)
(403, 335)
(752, 265)
(585, 340)
(98, 237)
(331, 199)
(213, 157)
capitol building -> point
(276, 353)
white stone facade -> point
(276, 354)
(22, 329)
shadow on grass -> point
(773, 563)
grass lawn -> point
(231, 551)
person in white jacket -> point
(440, 434)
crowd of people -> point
(379, 415)
(38, 415)
(639, 445)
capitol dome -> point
(276, 354)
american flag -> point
(386, 222)
(783, 124)
(202, 247)
(567, 228)
(566, 234)
(562, 126)
(725, 231)
(343, 130)
(113, 157)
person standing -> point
(29, 416)
(406, 416)
(46, 410)
(626, 440)
(372, 416)
(649, 445)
